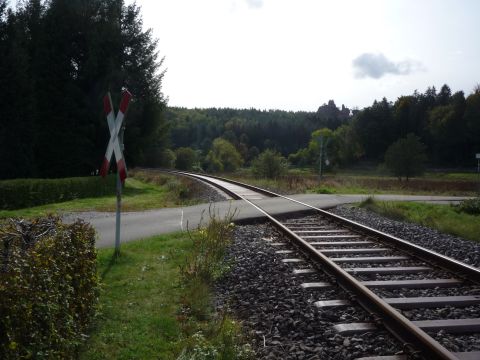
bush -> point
(48, 287)
(223, 157)
(21, 193)
(185, 158)
(269, 164)
(213, 163)
(470, 206)
(168, 158)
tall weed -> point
(209, 244)
(220, 337)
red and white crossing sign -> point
(114, 125)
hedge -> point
(48, 287)
(21, 193)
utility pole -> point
(323, 153)
(321, 157)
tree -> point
(319, 148)
(59, 57)
(168, 158)
(449, 131)
(472, 119)
(406, 157)
(253, 152)
(212, 163)
(223, 156)
(299, 158)
(373, 126)
(345, 148)
(185, 158)
(269, 164)
(17, 103)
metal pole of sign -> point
(119, 198)
(115, 146)
(117, 219)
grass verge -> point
(156, 300)
(138, 194)
(363, 183)
(445, 218)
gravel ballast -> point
(463, 250)
(280, 317)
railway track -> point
(388, 277)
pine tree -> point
(59, 58)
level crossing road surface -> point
(143, 224)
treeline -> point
(250, 130)
(59, 57)
(447, 124)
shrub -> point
(368, 202)
(223, 157)
(269, 164)
(167, 159)
(324, 190)
(213, 163)
(185, 158)
(21, 193)
(470, 206)
(48, 287)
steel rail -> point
(466, 271)
(392, 320)
(248, 186)
(402, 328)
(195, 176)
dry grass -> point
(353, 184)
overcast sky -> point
(298, 54)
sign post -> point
(477, 156)
(115, 145)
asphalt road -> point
(138, 225)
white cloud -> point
(377, 65)
(254, 4)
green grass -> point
(150, 310)
(140, 300)
(137, 195)
(445, 218)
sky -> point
(298, 54)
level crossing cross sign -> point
(114, 125)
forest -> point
(448, 125)
(60, 57)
